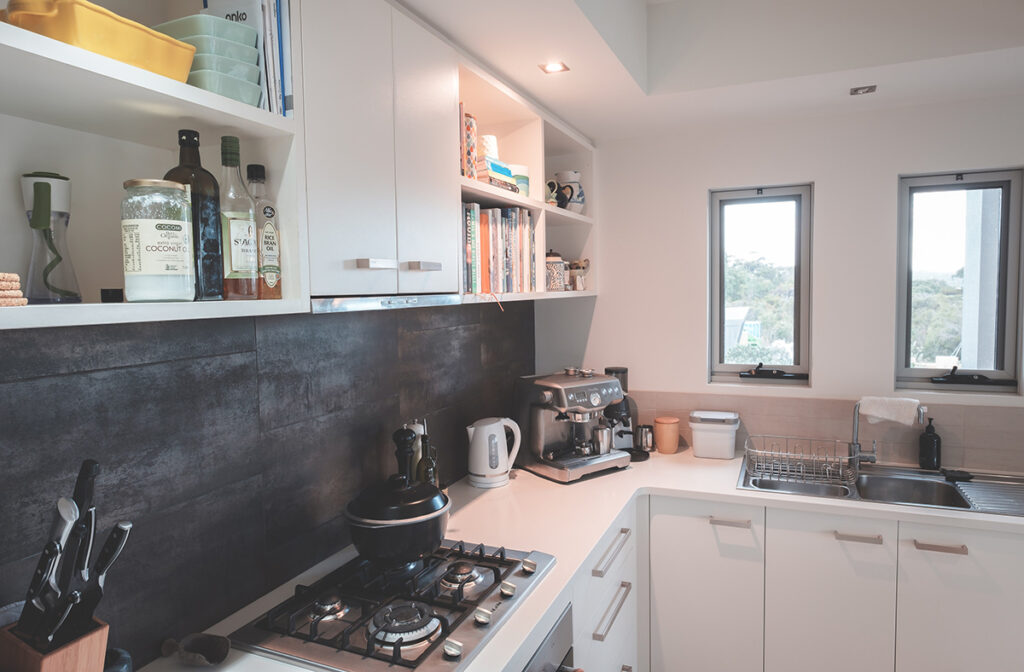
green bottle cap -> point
(229, 150)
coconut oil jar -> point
(156, 237)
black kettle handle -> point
(404, 439)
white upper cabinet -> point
(426, 159)
(350, 148)
(383, 142)
(830, 592)
(960, 594)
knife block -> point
(84, 654)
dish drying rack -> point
(787, 458)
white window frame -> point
(920, 378)
(718, 199)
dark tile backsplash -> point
(232, 445)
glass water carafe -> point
(51, 276)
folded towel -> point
(895, 409)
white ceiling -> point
(647, 66)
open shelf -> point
(556, 215)
(24, 317)
(525, 296)
(490, 196)
(55, 83)
(100, 121)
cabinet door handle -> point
(859, 538)
(608, 620)
(613, 552)
(627, 668)
(377, 264)
(725, 522)
(960, 549)
(424, 265)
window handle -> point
(760, 372)
(954, 378)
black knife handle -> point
(85, 551)
(70, 555)
(85, 484)
(111, 549)
(46, 562)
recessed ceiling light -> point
(553, 67)
(861, 90)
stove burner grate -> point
(439, 604)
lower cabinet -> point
(830, 593)
(961, 599)
(707, 586)
(606, 601)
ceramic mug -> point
(575, 196)
(550, 192)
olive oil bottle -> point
(204, 193)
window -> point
(959, 255)
(760, 283)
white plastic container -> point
(714, 433)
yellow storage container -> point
(92, 27)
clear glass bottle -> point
(156, 238)
(204, 193)
(238, 222)
(51, 276)
(268, 234)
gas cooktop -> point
(431, 615)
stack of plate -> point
(226, 60)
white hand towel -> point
(895, 409)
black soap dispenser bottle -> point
(930, 448)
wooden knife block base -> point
(85, 654)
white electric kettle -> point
(489, 456)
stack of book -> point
(496, 173)
(501, 250)
(272, 21)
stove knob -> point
(482, 616)
(529, 566)
(508, 589)
(452, 648)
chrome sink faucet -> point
(855, 450)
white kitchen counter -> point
(567, 521)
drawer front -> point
(607, 639)
(613, 560)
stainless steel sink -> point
(903, 485)
(910, 490)
(798, 488)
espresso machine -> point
(565, 433)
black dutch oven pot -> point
(400, 520)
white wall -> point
(652, 311)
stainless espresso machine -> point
(565, 434)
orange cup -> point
(666, 434)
